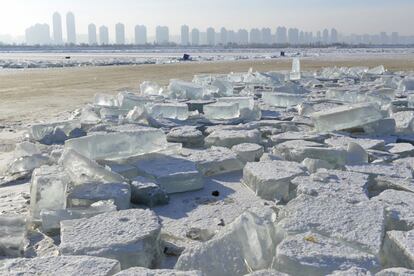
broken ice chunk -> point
(215, 160)
(185, 90)
(356, 154)
(47, 189)
(172, 173)
(187, 135)
(61, 265)
(396, 271)
(296, 255)
(82, 169)
(129, 100)
(119, 145)
(243, 102)
(246, 244)
(225, 88)
(313, 165)
(295, 73)
(141, 271)
(89, 116)
(12, 235)
(271, 180)
(282, 99)
(404, 121)
(55, 133)
(86, 194)
(230, 138)
(398, 249)
(177, 111)
(221, 111)
(146, 192)
(267, 272)
(354, 271)
(129, 236)
(398, 207)
(105, 100)
(248, 152)
(112, 113)
(348, 116)
(362, 225)
(149, 88)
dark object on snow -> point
(67, 57)
(215, 193)
(282, 53)
(186, 57)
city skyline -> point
(44, 34)
(351, 17)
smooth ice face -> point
(48, 189)
(136, 271)
(12, 235)
(221, 111)
(295, 73)
(226, 88)
(185, 90)
(230, 138)
(243, 102)
(282, 99)
(177, 111)
(112, 113)
(399, 249)
(119, 144)
(348, 116)
(82, 169)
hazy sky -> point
(348, 16)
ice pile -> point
(256, 173)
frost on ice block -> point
(282, 99)
(119, 145)
(177, 111)
(129, 236)
(222, 111)
(348, 116)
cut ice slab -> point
(105, 100)
(245, 244)
(141, 271)
(60, 265)
(295, 73)
(398, 207)
(347, 186)
(296, 256)
(230, 138)
(48, 189)
(271, 180)
(189, 136)
(221, 111)
(119, 145)
(177, 111)
(150, 88)
(146, 192)
(12, 235)
(345, 117)
(243, 102)
(361, 224)
(129, 100)
(129, 236)
(282, 99)
(172, 173)
(215, 160)
(248, 152)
